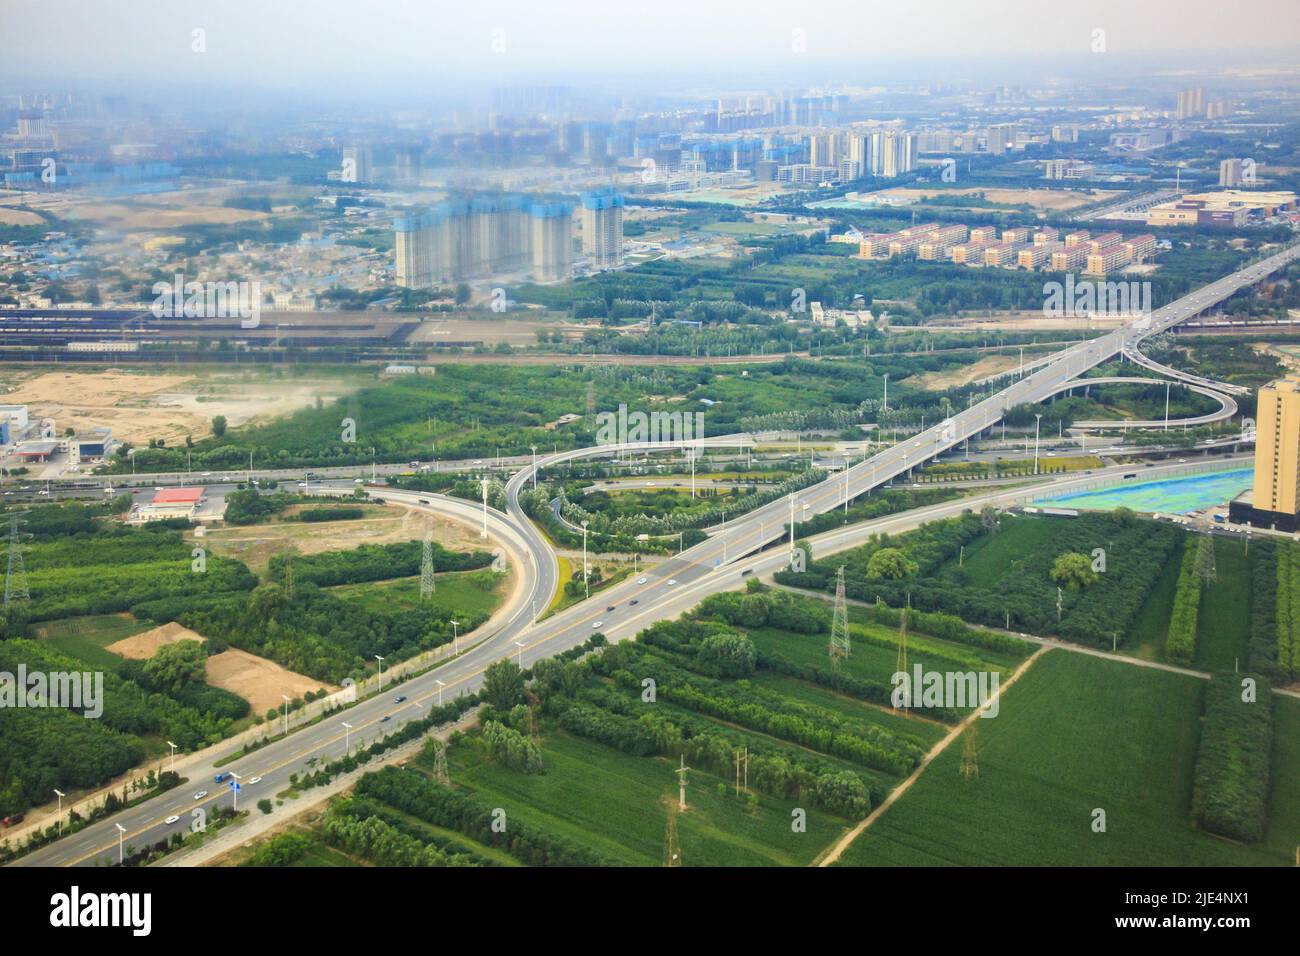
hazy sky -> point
(370, 43)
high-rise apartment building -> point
(485, 237)
(1230, 172)
(552, 230)
(357, 166)
(898, 149)
(1276, 494)
(602, 229)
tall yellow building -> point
(1277, 448)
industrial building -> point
(1227, 208)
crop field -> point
(88, 637)
(1076, 734)
(1223, 625)
(875, 650)
(617, 805)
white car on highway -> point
(172, 819)
(255, 780)
(200, 795)
(640, 580)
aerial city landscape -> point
(496, 438)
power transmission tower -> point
(681, 783)
(970, 765)
(840, 646)
(426, 567)
(1205, 568)
(672, 851)
(742, 771)
(440, 773)
(900, 662)
(16, 574)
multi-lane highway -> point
(671, 588)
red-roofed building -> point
(171, 503)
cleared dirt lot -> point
(255, 544)
(1040, 199)
(139, 405)
(18, 217)
(989, 365)
(257, 680)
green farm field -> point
(461, 592)
(87, 637)
(1076, 733)
(615, 804)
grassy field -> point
(871, 661)
(1223, 624)
(617, 805)
(1282, 832)
(988, 558)
(86, 637)
(1076, 734)
(454, 593)
(1146, 638)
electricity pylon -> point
(426, 567)
(440, 773)
(672, 851)
(1205, 568)
(16, 574)
(970, 765)
(900, 661)
(840, 645)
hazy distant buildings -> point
(357, 165)
(1230, 171)
(483, 237)
(602, 229)
(1190, 102)
(1001, 137)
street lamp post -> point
(381, 671)
(534, 447)
(455, 637)
(483, 533)
(121, 832)
(172, 768)
(347, 738)
(520, 655)
(60, 794)
(441, 685)
(585, 586)
(234, 791)
(286, 713)
(1037, 422)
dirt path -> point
(833, 852)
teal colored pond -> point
(1170, 496)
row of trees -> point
(1230, 782)
(1180, 641)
